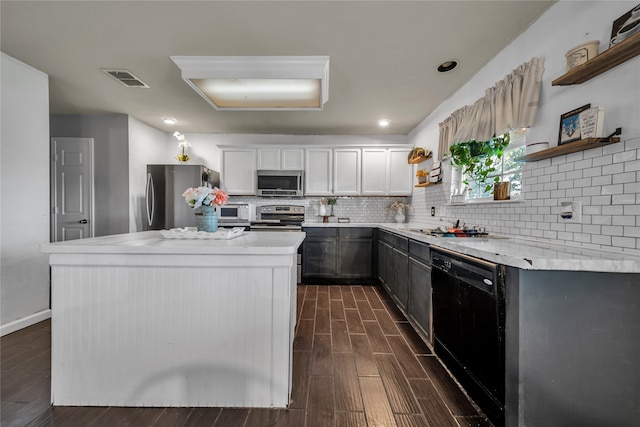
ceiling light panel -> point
(258, 82)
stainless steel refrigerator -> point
(165, 207)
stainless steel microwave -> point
(276, 183)
(236, 212)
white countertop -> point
(152, 242)
(516, 252)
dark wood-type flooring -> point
(357, 362)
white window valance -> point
(511, 103)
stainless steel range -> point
(279, 218)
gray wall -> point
(111, 164)
(579, 361)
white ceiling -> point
(384, 55)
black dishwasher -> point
(468, 326)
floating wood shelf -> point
(420, 159)
(428, 184)
(568, 148)
(607, 60)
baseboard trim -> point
(32, 319)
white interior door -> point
(72, 188)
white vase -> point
(323, 210)
(399, 216)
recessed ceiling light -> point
(169, 120)
(258, 82)
(447, 66)
(383, 123)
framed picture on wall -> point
(570, 125)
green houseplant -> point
(477, 159)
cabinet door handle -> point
(83, 221)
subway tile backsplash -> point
(606, 180)
(357, 209)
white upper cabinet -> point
(269, 158)
(292, 159)
(346, 171)
(386, 172)
(239, 171)
(318, 172)
(281, 158)
(374, 172)
(400, 173)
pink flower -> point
(196, 197)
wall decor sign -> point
(570, 125)
(592, 123)
(625, 26)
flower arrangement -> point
(397, 207)
(422, 173)
(184, 144)
(205, 196)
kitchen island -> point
(140, 320)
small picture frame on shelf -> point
(570, 125)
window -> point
(507, 169)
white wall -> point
(24, 179)
(606, 180)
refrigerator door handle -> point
(150, 196)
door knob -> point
(83, 221)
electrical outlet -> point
(433, 211)
(570, 211)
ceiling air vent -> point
(126, 78)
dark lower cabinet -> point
(319, 255)
(337, 253)
(385, 266)
(420, 295)
(393, 266)
(401, 279)
(355, 258)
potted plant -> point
(477, 159)
(331, 201)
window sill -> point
(484, 202)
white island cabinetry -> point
(139, 320)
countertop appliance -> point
(164, 205)
(469, 326)
(277, 183)
(236, 213)
(279, 218)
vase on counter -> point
(323, 210)
(208, 219)
(400, 217)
